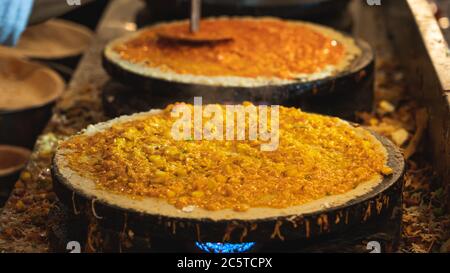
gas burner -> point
(225, 247)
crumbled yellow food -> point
(317, 156)
(288, 49)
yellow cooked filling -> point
(317, 156)
(259, 48)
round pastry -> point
(134, 162)
(257, 52)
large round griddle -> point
(366, 208)
(341, 95)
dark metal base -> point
(65, 227)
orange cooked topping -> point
(259, 48)
(317, 156)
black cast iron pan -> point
(375, 204)
(341, 95)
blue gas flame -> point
(225, 247)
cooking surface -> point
(288, 49)
(314, 157)
(23, 220)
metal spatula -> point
(193, 36)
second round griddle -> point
(341, 95)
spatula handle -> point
(195, 15)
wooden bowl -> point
(12, 160)
(54, 39)
(57, 43)
(27, 94)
